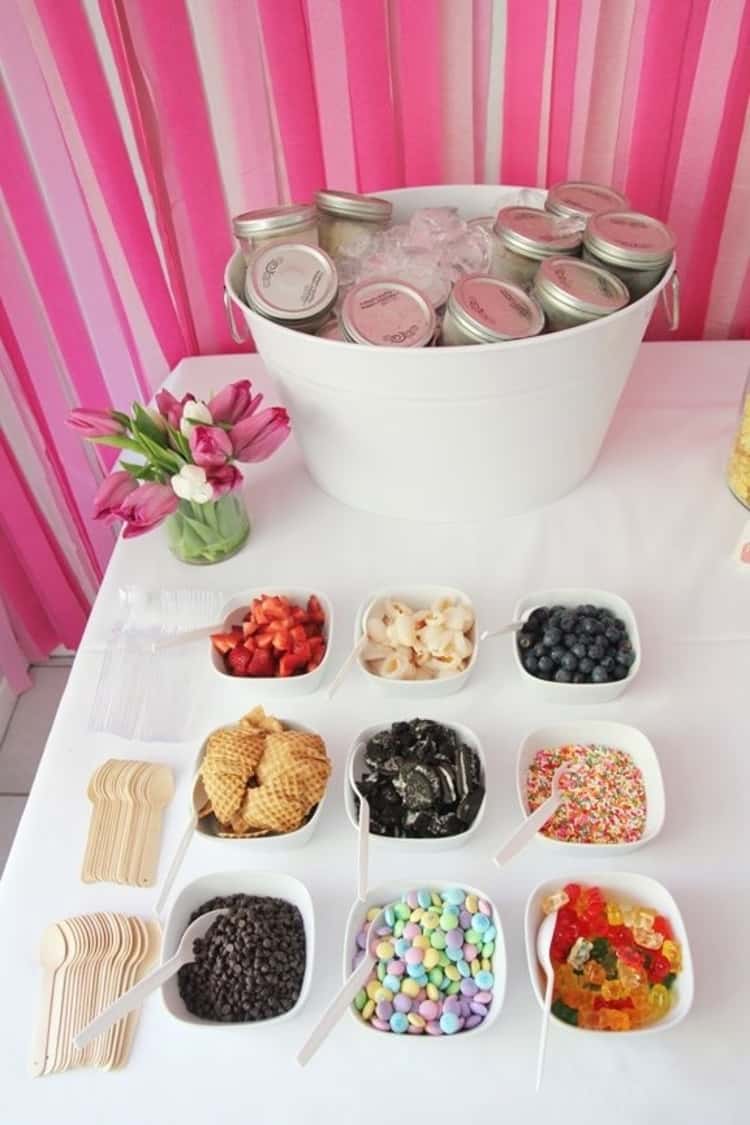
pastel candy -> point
(483, 997)
(380, 1025)
(485, 980)
(424, 898)
(411, 930)
(384, 1009)
(399, 1023)
(453, 895)
(449, 1023)
(473, 1021)
(478, 1009)
(411, 899)
(391, 982)
(396, 968)
(480, 923)
(469, 987)
(452, 1005)
(401, 1002)
(464, 919)
(485, 907)
(429, 1009)
(454, 939)
(434, 1028)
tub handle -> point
(672, 302)
(236, 335)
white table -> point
(654, 522)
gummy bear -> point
(594, 973)
(672, 952)
(648, 939)
(616, 1021)
(580, 953)
(645, 919)
(629, 956)
(554, 901)
(658, 968)
(594, 1020)
(613, 990)
(662, 926)
(630, 977)
(659, 1000)
(572, 890)
(614, 915)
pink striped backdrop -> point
(134, 129)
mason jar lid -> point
(581, 199)
(490, 310)
(627, 238)
(291, 281)
(272, 220)
(388, 313)
(576, 286)
(347, 205)
(533, 233)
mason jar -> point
(522, 238)
(345, 220)
(572, 292)
(295, 222)
(486, 310)
(331, 330)
(293, 283)
(634, 246)
(388, 313)
(580, 199)
(738, 469)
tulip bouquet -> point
(186, 472)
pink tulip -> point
(234, 403)
(224, 479)
(94, 423)
(111, 493)
(146, 508)
(258, 437)
(171, 408)
(209, 446)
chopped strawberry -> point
(290, 664)
(249, 627)
(302, 651)
(281, 641)
(263, 640)
(299, 634)
(299, 615)
(315, 610)
(224, 642)
(262, 663)
(250, 643)
(238, 660)
(317, 647)
(274, 607)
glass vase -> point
(202, 534)
(738, 469)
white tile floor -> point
(22, 746)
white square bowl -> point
(418, 597)
(630, 889)
(274, 687)
(296, 839)
(390, 892)
(354, 768)
(585, 732)
(553, 692)
(222, 884)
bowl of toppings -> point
(281, 637)
(577, 645)
(255, 963)
(619, 952)
(440, 967)
(418, 641)
(614, 793)
(263, 779)
(424, 782)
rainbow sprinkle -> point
(605, 795)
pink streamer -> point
(481, 66)
(368, 57)
(326, 32)
(563, 87)
(288, 55)
(420, 93)
(13, 660)
(524, 67)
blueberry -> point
(551, 637)
(625, 657)
(569, 661)
(612, 633)
(556, 654)
(546, 664)
(530, 663)
(590, 625)
(563, 676)
(586, 610)
(567, 622)
(539, 649)
(619, 672)
(537, 618)
(526, 640)
(569, 640)
(579, 678)
(608, 663)
(544, 676)
(586, 666)
(579, 650)
(596, 652)
(558, 609)
(599, 675)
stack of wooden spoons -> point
(125, 830)
(87, 963)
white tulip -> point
(191, 484)
(194, 414)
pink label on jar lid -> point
(389, 314)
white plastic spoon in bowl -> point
(534, 822)
(135, 995)
(362, 850)
(345, 995)
(511, 627)
(544, 936)
(187, 637)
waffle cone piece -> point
(292, 776)
(231, 759)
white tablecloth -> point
(654, 522)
